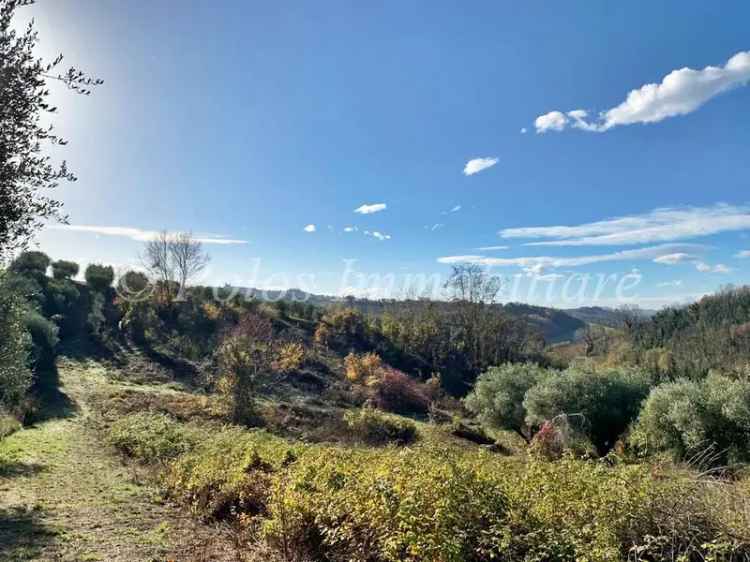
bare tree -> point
(158, 262)
(173, 260)
(471, 283)
(188, 258)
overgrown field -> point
(437, 500)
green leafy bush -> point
(605, 401)
(437, 504)
(62, 269)
(497, 398)
(230, 471)
(337, 504)
(31, 264)
(99, 277)
(376, 428)
(151, 437)
(686, 418)
(44, 339)
(15, 376)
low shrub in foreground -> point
(375, 428)
(363, 505)
(151, 437)
(442, 504)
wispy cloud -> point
(659, 225)
(703, 267)
(676, 283)
(372, 208)
(491, 248)
(454, 209)
(476, 165)
(674, 259)
(378, 235)
(350, 229)
(138, 234)
(682, 257)
(649, 253)
(680, 92)
(310, 228)
(743, 254)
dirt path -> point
(65, 496)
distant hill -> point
(556, 325)
(610, 317)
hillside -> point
(555, 324)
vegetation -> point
(26, 173)
(377, 429)
(708, 418)
(603, 437)
(445, 503)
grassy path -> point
(65, 496)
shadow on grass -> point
(83, 348)
(23, 534)
(181, 369)
(13, 469)
(52, 402)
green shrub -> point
(151, 437)
(688, 418)
(62, 269)
(371, 426)
(15, 342)
(31, 264)
(44, 340)
(440, 504)
(230, 471)
(99, 277)
(337, 504)
(497, 397)
(605, 401)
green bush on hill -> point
(708, 418)
(375, 428)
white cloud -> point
(537, 262)
(476, 165)
(455, 209)
(680, 92)
(706, 268)
(676, 283)
(674, 259)
(350, 229)
(491, 248)
(524, 130)
(310, 228)
(552, 121)
(378, 235)
(369, 209)
(436, 226)
(659, 225)
(138, 234)
(743, 254)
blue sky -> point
(247, 122)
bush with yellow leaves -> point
(362, 368)
(290, 357)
